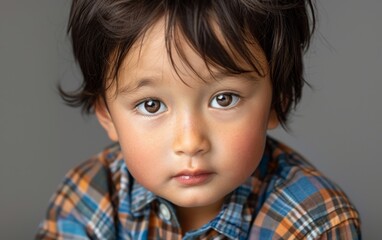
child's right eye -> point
(151, 107)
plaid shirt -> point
(285, 198)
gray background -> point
(337, 126)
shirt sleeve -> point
(81, 208)
(63, 219)
(349, 229)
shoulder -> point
(86, 198)
(97, 173)
(301, 202)
(97, 178)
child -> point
(187, 90)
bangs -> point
(219, 36)
(222, 43)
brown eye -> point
(224, 101)
(151, 107)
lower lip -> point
(194, 180)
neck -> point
(193, 218)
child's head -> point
(189, 88)
(103, 32)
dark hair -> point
(103, 32)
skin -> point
(186, 127)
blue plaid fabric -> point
(285, 198)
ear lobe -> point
(273, 121)
(106, 121)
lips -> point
(192, 178)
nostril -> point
(191, 147)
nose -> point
(191, 136)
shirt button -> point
(164, 212)
(247, 217)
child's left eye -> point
(224, 101)
(151, 107)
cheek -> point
(249, 147)
(142, 151)
(243, 149)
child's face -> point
(191, 143)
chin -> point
(196, 202)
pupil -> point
(152, 106)
(224, 100)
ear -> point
(106, 121)
(273, 121)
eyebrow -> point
(129, 88)
(147, 81)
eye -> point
(224, 100)
(151, 107)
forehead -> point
(156, 53)
(161, 51)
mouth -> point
(193, 178)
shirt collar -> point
(140, 198)
(134, 196)
(236, 215)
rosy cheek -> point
(143, 155)
(248, 146)
(134, 154)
